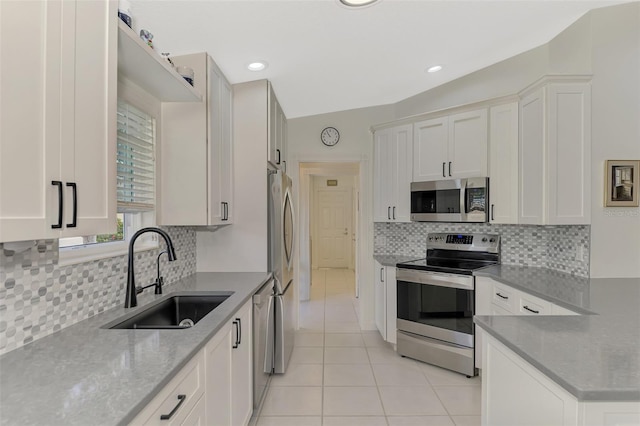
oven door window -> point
(442, 307)
(440, 201)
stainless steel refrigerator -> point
(281, 240)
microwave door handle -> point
(463, 197)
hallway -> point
(340, 375)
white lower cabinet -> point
(516, 393)
(215, 387)
(229, 393)
(386, 297)
(495, 298)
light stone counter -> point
(595, 357)
(392, 260)
(85, 374)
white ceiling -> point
(324, 57)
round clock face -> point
(330, 136)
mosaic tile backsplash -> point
(39, 297)
(552, 247)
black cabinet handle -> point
(285, 165)
(530, 310)
(74, 189)
(181, 399)
(381, 274)
(389, 213)
(239, 331)
(394, 212)
(492, 206)
(449, 168)
(278, 152)
(60, 204)
(502, 297)
(443, 174)
(226, 211)
(235, 344)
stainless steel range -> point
(436, 299)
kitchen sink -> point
(176, 312)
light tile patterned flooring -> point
(341, 375)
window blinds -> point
(135, 160)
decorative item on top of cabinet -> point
(155, 74)
(58, 148)
(555, 152)
(196, 183)
(503, 163)
(392, 174)
(450, 147)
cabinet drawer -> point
(179, 396)
(504, 297)
(559, 310)
(530, 305)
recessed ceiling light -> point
(357, 3)
(257, 66)
(434, 68)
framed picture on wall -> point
(622, 183)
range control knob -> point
(484, 239)
(492, 240)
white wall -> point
(606, 43)
(355, 146)
(615, 232)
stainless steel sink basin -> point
(176, 312)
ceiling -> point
(324, 57)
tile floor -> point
(341, 375)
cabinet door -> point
(430, 142)
(467, 149)
(89, 122)
(226, 150)
(391, 302)
(272, 123)
(503, 163)
(402, 157)
(382, 176)
(241, 367)
(380, 300)
(531, 159)
(30, 121)
(184, 157)
(568, 154)
(197, 416)
(218, 378)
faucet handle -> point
(159, 283)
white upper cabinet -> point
(277, 123)
(392, 174)
(196, 177)
(431, 149)
(58, 123)
(555, 153)
(451, 147)
(503, 163)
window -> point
(135, 189)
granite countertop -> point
(392, 259)
(596, 356)
(86, 372)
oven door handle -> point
(463, 282)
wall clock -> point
(330, 136)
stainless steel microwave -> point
(454, 200)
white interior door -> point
(334, 228)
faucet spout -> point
(131, 299)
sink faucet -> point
(131, 300)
